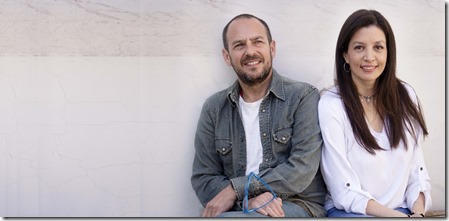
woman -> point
(372, 125)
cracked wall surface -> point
(99, 99)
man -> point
(264, 124)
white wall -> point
(99, 99)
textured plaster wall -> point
(99, 99)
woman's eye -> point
(379, 47)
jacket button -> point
(223, 149)
(283, 138)
(348, 184)
(264, 134)
(421, 168)
(263, 110)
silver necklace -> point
(367, 99)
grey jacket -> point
(291, 141)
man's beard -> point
(247, 78)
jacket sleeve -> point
(342, 181)
(207, 177)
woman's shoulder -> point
(330, 99)
(407, 86)
(330, 94)
(410, 90)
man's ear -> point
(273, 48)
(226, 56)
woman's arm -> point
(376, 209)
(419, 206)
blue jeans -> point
(290, 210)
(334, 212)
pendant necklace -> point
(367, 99)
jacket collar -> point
(277, 87)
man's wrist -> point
(238, 184)
(235, 191)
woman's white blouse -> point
(393, 177)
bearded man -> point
(258, 143)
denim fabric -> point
(334, 212)
(291, 142)
(290, 210)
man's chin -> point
(254, 80)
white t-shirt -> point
(393, 177)
(250, 118)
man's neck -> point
(255, 92)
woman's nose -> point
(369, 56)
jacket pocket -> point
(283, 135)
(224, 151)
(223, 146)
(282, 139)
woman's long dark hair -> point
(393, 102)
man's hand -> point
(273, 209)
(222, 202)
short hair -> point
(244, 16)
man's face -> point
(249, 53)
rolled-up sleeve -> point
(419, 180)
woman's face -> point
(367, 55)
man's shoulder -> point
(218, 98)
(292, 86)
(218, 95)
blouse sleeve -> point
(342, 181)
(419, 180)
